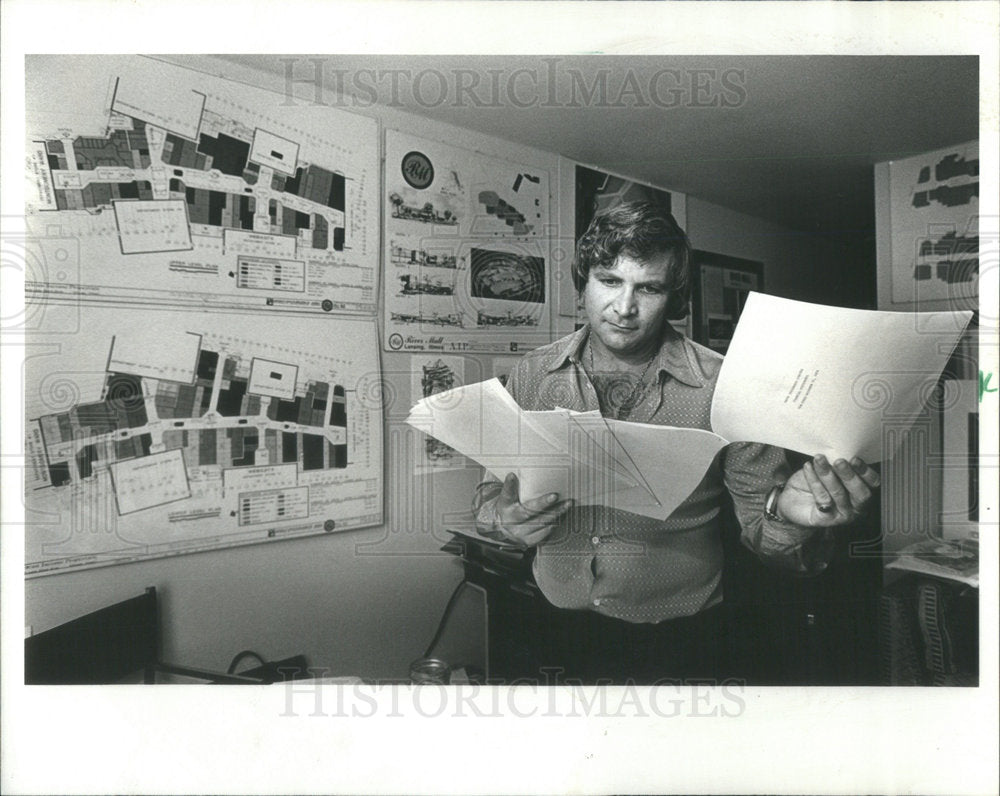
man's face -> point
(626, 305)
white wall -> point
(797, 265)
(367, 602)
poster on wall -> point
(158, 184)
(720, 286)
(467, 250)
(432, 374)
(152, 433)
(934, 208)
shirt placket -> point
(647, 408)
(585, 391)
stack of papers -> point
(640, 468)
(951, 560)
(800, 376)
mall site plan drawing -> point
(181, 188)
(215, 418)
(196, 431)
(201, 264)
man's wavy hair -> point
(643, 231)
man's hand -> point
(820, 495)
(531, 522)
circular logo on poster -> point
(417, 170)
(395, 342)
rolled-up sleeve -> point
(750, 471)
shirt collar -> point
(675, 356)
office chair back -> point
(103, 647)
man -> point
(646, 594)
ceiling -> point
(791, 139)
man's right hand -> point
(531, 522)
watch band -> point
(771, 504)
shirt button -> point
(597, 601)
(595, 540)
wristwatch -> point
(771, 504)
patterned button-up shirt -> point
(633, 567)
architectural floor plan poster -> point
(157, 432)
(934, 205)
(180, 188)
(467, 250)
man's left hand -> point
(821, 495)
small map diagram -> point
(950, 257)
(124, 171)
(229, 414)
(439, 375)
(512, 277)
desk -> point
(784, 630)
(517, 613)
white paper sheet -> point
(594, 471)
(828, 380)
(546, 450)
(483, 422)
(672, 460)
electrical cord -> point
(445, 616)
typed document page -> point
(818, 379)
